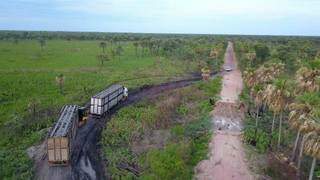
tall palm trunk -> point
(280, 128)
(301, 151)
(264, 107)
(257, 116)
(312, 168)
(61, 88)
(273, 120)
(295, 146)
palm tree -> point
(60, 82)
(268, 72)
(119, 50)
(103, 45)
(42, 43)
(279, 103)
(258, 97)
(136, 45)
(308, 127)
(317, 55)
(214, 53)
(102, 58)
(251, 56)
(312, 148)
(308, 80)
(268, 96)
(297, 115)
(249, 77)
(32, 106)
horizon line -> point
(165, 33)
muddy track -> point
(86, 160)
(91, 133)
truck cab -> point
(125, 93)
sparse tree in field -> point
(102, 58)
(136, 46)
(60, 82)
(32, 106)
(15, 41)
(103, 46)
(317, 55)
(42, 43)
(119, 50)
(113, 53)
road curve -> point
(86, 162)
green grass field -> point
(28, 78)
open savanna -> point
(30, 97)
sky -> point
(253, 17)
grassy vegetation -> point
(30, 97)
(162, 138)
(41, 71)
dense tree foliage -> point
(283, 82)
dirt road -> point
(226, 155)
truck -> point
(59, 142)
(102, 102)
(62, 136)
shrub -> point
(169, 163)
(198, 128)
(166, 110)
(182, 110)
(178, 131)
(258, 138)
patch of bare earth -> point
(226, 153)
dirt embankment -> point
(86, 162)
(226, 154)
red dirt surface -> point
(226, 154)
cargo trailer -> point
(106, 99)
(59, 142)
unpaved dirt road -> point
(226, 155)
(86, 162)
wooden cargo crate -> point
(58, 150)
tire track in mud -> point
(86, 160)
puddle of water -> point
(86, 166)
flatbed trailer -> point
(59, 142)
